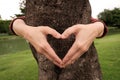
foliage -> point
(22, 8)
(4, 26)
(0, 17)
(111, 17)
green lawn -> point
(22, 66)
(18, 66)
(109, 55)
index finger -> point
(70, 53)
(51, 53)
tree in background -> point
(0, 17)
(111, 17)
(22, 8)
(4, 26)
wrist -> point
(25, 31)
(13, 22)
(20, 28)
(99, 28)
(105, 29)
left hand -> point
(84, 36)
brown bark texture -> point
(61, 14)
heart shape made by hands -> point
(61, 46)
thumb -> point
(68, 32)
(52, 32)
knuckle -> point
(55, 60)
(41, 47)
(67, 58)
(39, 50)
(72, 61)
(84, 49)
(79, 45)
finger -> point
(51, 59)
(74, 58)
(50, 52)
(78, 54)
(59, 65)
(48, 57)
(68, 32)
(70, 53)
(52, 32)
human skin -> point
(85, 34)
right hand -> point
(37, 37)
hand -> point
(37, 37)
(85, 35)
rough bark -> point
(61, 14)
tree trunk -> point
(61, 14)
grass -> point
(22, 66)
(109, 55)
(18, 66)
